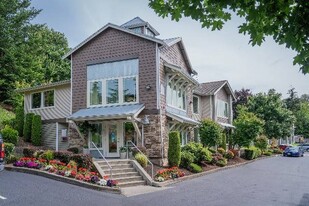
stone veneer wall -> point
(75, 140)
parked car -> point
(284, 146)
(305, 146)
(1, 154)
(293, 152)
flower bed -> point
(170, 173)
(70, 170)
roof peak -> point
(139, 22)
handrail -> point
(109, 166)
(142, 154)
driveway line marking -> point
(3, 198)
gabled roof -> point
(138, 22)
(109, 25)
(44, 86)
(211, 88)
(175, 40)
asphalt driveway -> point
(274, 181)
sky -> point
(215, 55)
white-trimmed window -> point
(113, 83)
(42, 99)
(195, 104)
(222, 108)
(176, 95)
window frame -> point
(172, 99)
(198, 104)
(225, 111)
(42, 103)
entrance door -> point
(113, 137)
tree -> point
(248, 127)
(19, 120)
(285, 21)
(36, 128)
(292, 102)
(242, 97)
(210, 133)
(261, 142)
(28, 126)
(302, 120)
(270, 108)
(174, 150)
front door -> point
(113, 139)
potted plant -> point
(123, 152)
(130, 152)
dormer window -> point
(137, 30)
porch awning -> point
(226, 125)
(107, 112)
(181, 118)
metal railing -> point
(109, 166)
(141, 153)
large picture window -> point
(36, 100)
(113, 83)
(176, 95)
(195, 104)
(222, 108)
(48, 98)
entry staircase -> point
(123, 172)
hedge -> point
(28, 126)
(36, 136)
(174, 155)
(19, 120)
(9, 135)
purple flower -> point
(32, 165)
(19, 164)
(94, 179)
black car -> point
(293, 152)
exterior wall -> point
(114, 45)
(49, 136)
(62, 103)
(206, 107)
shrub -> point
(277, 151)
(223, 142)
(28, 152)
(8, 149)
(221, 150)
(28, 126)
(195, 168)
(6, 117)
(174, 149)
(74, 150)
(141, 148)
(229, 155)
(19, 120)
(186, 159)
(261, 142)
(205, 155)
(212, 150)
(216, 157)
(221, 162)
(63, 156)
(9, 135)
(252, 153)
(48, 155)
(36, 136)
(82, 160)
(210, 133)
(11, 159)
(268, 153)
(141, 159)
(38, 153)
(235, 152)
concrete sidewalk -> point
(139, 190)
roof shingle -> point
(209, 88)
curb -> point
(63, 179)
(193, 176)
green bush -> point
(19, 120)
(221, 162)
(63, 156)
(36, 130)
(48, 155)
(205, 155)
(28, 152)
(210, 133)
(186, 159)
(221, 150)
(229, 155)
(8, 149)
(9, 135)
(277, 151)
(252, 153)
(141, 159)
(268, 153)
(28, 126)
(11, 159)
(261, 142)
(223, 142)
(174, 149)
(74, 150)
(212, 150)
(195, 168)
(200, 153)
(6, 117)
(82, 160)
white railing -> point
(141, 153)
(109, 166)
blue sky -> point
(215, 55)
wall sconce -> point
(145, 120)
(148, 87)
(190, 102)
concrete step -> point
(131, 184)
(118, 166)
(118, 171)
(128, 179)
(125, 174)
(114, 162)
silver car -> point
(305, 147)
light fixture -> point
(145, 120)
(148, 87)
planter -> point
(123, 155)
(130, 154)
